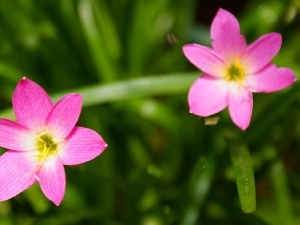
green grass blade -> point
(96, 41)
(130, 89)
(198, 189)
(281, 193)
(244, 175)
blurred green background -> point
(163, 165)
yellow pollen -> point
(236, 72)
(46, 146)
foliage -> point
(162, 165)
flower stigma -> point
(236, 72)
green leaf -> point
(198, 189)
(244, 175)
(281, 193)
(96, 39)
(125, 90)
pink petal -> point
(31, 104)
(64, 115)
(15, 136)
(52, 179)
(261, 52)
(240, 103)
(204, 59)
(208, 95)
(270, 79)
(82, 145)
(16, 174)
(225, 34)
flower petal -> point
(270, 79)
(208, 95)
(52, 179)
(240, 103)
(31, 104)
(261, 52)
(82, 145)
(204, 59)
(16, 174)
(15, 136)
(64, 115)
(225, 34)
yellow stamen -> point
(236, 72)
(46, 145)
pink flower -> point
(43, 139)
(233, 70)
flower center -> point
(236, 72)
(46, 146)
